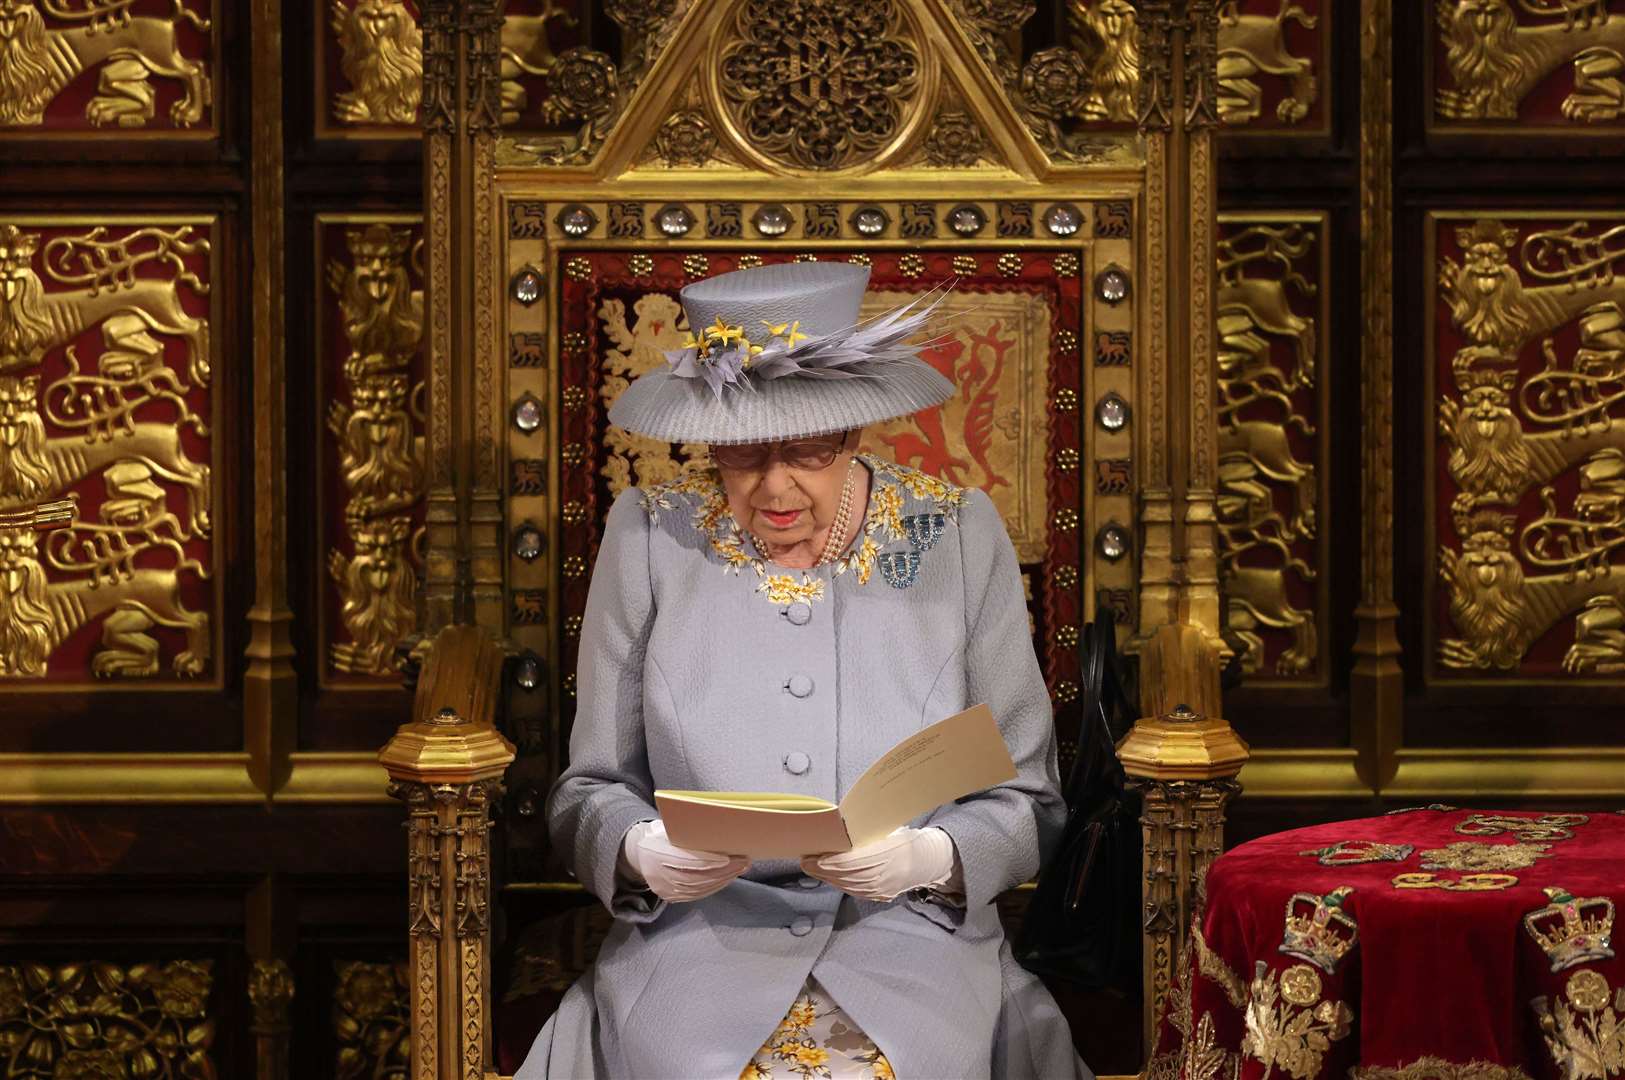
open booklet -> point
(946, 761)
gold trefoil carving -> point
(1494, 459)
(1252, 45)
(128, 412)
(88, 1021)
(1583, 1031)
(380, 447)
(370, 1021)
(38, 60)
(1496, 61)
(381, 49)
(1261, 401)
(820, 84)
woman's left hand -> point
(907, 859)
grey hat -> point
(778, 352)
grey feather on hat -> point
(780, 352)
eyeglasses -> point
(808, 455)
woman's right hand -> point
(676, 873)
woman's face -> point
(780, 491)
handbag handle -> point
(1102, 691)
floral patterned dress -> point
(816, 1039)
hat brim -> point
(662, 406)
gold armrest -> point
(446, 765)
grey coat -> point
(693, 676)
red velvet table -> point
(1428, 943)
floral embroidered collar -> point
(884, 523)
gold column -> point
(1376, 686)
(1183, 759)
(1164, 232)
(270, 685)
(461, 121)
(1178, 440)
(1199, 601)
(446, 765)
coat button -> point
(796, 762)
(809, 882)
(799, 613)
(801, 925)
(799, 685)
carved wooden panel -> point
(1540, 66)
(108, 396)
(107, 68)
(1272, 64)
(371, 367)
(371, 1020)
(369, 68)
(101, 1019)
(1273, 513)
(1528, 362)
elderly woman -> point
(777, 622)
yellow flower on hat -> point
(723, 334)
(790, 332)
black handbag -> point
(1083, 923)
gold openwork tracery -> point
(822, 85)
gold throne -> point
(1074, 206)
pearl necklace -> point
(837, 529)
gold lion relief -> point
(377, 583)
(37, 61)
(1510, 433)
(1496, 62)
(381, 56)
(1262, 401)
(379, 430)
(130, 566)
(36, 617)
(638, 346)
(1251, 46)
(1107, 37)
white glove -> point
(907, 859)
(671, 872)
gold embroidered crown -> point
(1480, 374)
(1318, 929)
(378, 242)
(1572, 931)
(1488, 526)
(16, 247)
